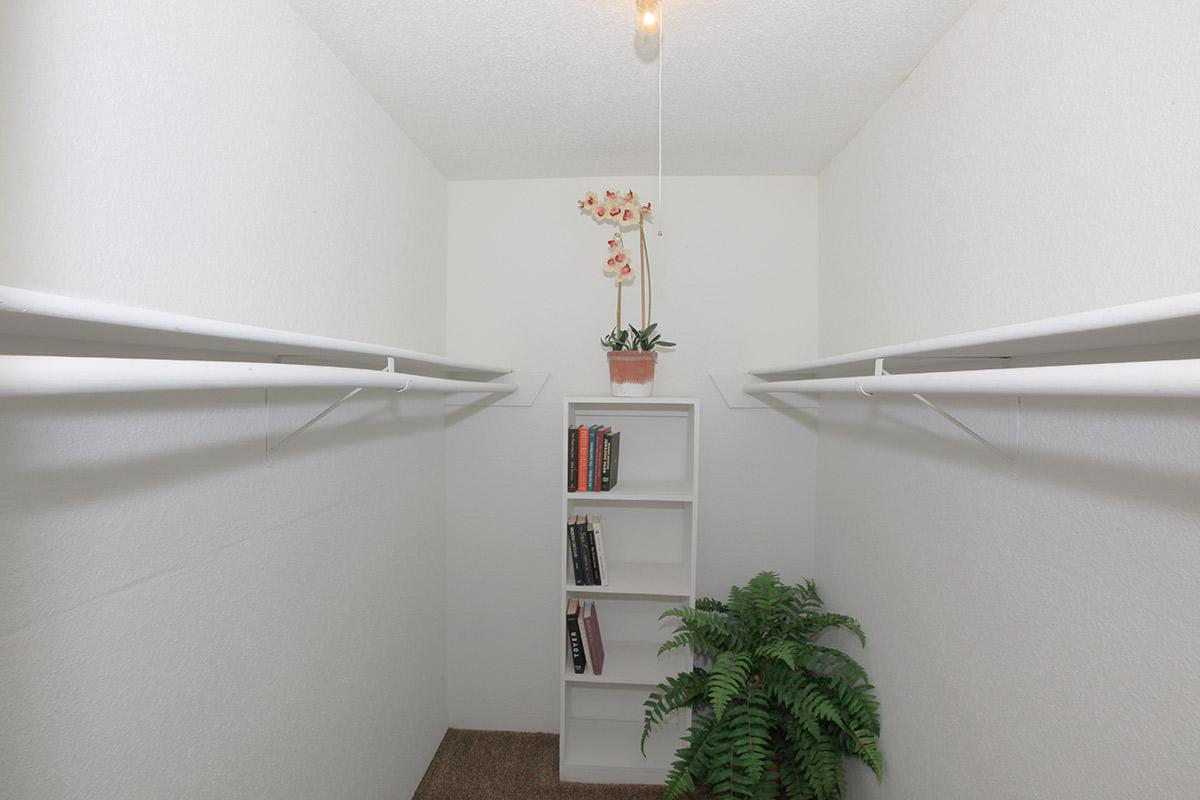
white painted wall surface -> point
(1032, 629)
(735, 283)
(181, 616)
(212, 159)
(1041, 160)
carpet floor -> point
(499, 765)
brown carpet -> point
(499, 765)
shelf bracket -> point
(391, 367)
(943, 413)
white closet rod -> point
(1133, 379)
(25, 312)
(24, 376)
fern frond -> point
(818, 764)
(704, 631)
(728, 677)
(814, 624)
(710, 604)
(752, 742)
(785, 650)
(678, 691)
(777, 713)
(689, 765)
(867, 749)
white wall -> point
(1032, 628)
(181, 616)
(212, 159)
(735, 283)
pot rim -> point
(633, 354)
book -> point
(591, 457)
(589, 536)
(585, 553)
(574, 638)
(581, 460)
(601, 559)
(598, 458)
(573, 548)
(583, 636)
(610, 461)
(595, 645)
(572, 459)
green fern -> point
(777, 713)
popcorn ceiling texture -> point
(492, 89)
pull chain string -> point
(661, 39)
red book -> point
(581, 476)
(595, 644)
(599, 459)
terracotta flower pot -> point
(631, 373)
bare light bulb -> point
(648, 16)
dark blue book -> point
(573, 545)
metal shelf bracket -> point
(943, 413)
(391, 367)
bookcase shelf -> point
(640, 580)
(639, 492)
(608, 751)
(649, 526)
(633, 664)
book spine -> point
(615, 465)
(573, 545)
(598, 458)
(601, 559)
(590, 537)
(595, 649)
(606, 465)
(583, 635)
(581, 460)
(572, 457)
(585, 556)
(575, 640)
(591, 456)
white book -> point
(595, 520)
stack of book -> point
(584, 644)
(585, 543)
(593, 452)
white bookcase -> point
(649, 530)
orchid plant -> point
(625, 212)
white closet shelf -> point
(602, 400)
(1167, 320)
(28, 313)
(32, 376)
(640, 579)
(638, 492)
(633, 664)
(608, 751)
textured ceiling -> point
(546, 88)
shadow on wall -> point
(1082, 463)
(162, 458)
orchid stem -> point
(647, 286)
(618, 306)
(642, 260)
